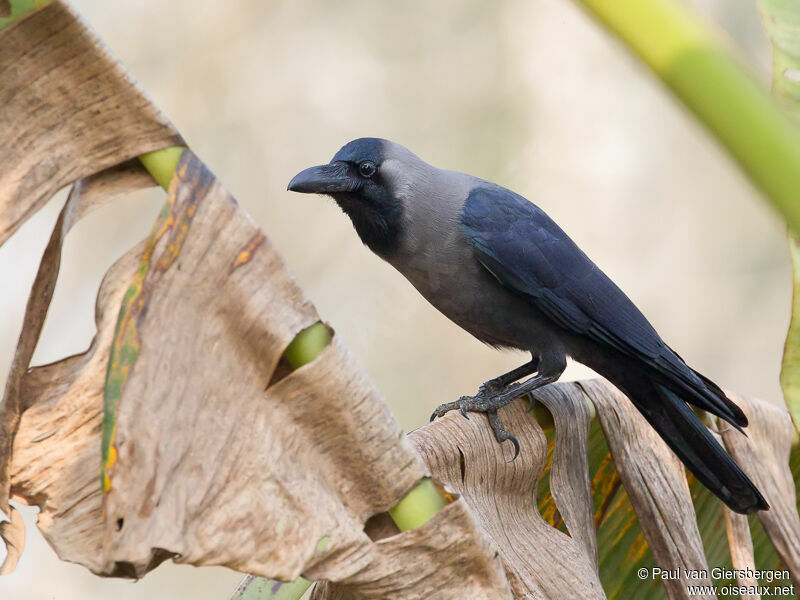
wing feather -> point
(530, 254)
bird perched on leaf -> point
(499, 267)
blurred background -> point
(531, 94)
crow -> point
(496, 265)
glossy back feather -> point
(530, 254)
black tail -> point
(693, 443)
(698, 390)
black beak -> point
(323, 179)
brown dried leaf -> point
(12, 532)
(741, 547)
(764, 456)
(86, 195)
(444, 558)
(198, 429)
(740, 541)
(655, 481)
(56, 454)
(67, 110)
(501, 494)
(215, 466)
(570, 483)
(36, 390)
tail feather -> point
(697, 448)
(700, 391)
(736, 417)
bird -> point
(498, 266)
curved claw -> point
(500, 434)
(443, 409)
(514, 441)
(463, 412)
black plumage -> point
(530, 255)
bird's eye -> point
(367, 168)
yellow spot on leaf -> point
(248, 250)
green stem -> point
(418, 506)
(20, 8)
(692, 60)
(161, 164)
(307, 345)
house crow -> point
(499, 267)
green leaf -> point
(781, 20)
(790, 368)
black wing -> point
(528, 253)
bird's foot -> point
(488, 401)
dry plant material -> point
(464, 456)
(741, 547)
(540, 561)
(740, 541)
(67, 110)
(204, 448)
(570, 483)
(211, 464)
(764, 456)
(12, 532)
(203, 445)
(655, 481)
(445, 558)
(74, 422)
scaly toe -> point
(443, 409)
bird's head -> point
(370, 179)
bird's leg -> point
(498, 392)
(488, 390)
(498, 384)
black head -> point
(356, 178)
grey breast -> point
(437, 258)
